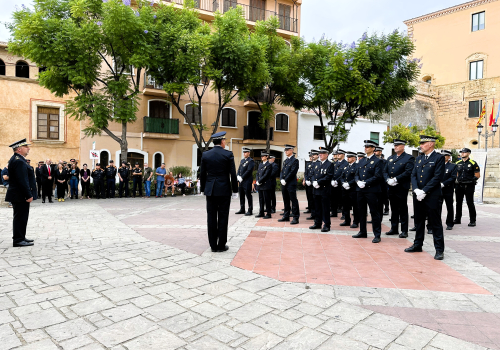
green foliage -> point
(454, 155)
(430, 131)
(412, 135)
(185, 170)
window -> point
(284, 16)
(104, 159)
(475, 108)
(48, 123)
(193, 114)
(157, 160)
(22, 70)
(228, 4)
(375, 137)
(228, 117)
(281, 122)
(2, 67)
(159, 109)
(476, 70)
(319, 132)
(42, 69)
(478, 21)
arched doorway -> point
(133, 158)
(104, 159)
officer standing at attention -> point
(322, 177)
(368, 178)
(98, 176)
(467, 174)
(336, 195)
(308, 175)
(426, 181)
(274, 175)
(289, 186)
(123, 174)
(218, 181)
(245, 179)
(111, 179)
(384, 203)
(397, 175)
(264, 186)
(448, 186)
(360, 155)
(19, 193)
(349, 196)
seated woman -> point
(169, 184)
(181, 183)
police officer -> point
(426, 181)
(19, 193)
(349, 193)
(218, 180)
(137, 179)
(368, 177)
(98, 175)
(308, 175)
(288, 179)
(467, 174)
(274, 175)
(397, 175)
(360, 156)
(384, 203)
(32, 180)
(336, 194)
(111, 179)
(245, 179)
(264, 186)
(322, 176)
(123, 174)
(448, 186)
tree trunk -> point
(123, 144)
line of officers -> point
(354, 182)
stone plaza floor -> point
(138, 274)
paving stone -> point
(263, 342)
(6, 303)
(415, 337)
(249, 330)
(145, 301)
(223, 334)
(310, 321)
(445, 342)
(370, 336)
(123, 293)
(208, 310)
(217, 288)
(336, 326)
(70, 329)
(120, 332)
(41, 319)
(91, 306)
(5, 317)
(182, 322)
(347, 313)
(291, 314)
(8, 337)
(277, 325)
(305, 339)
(207, 343)
(278, 303)
(340, 342)
(45, 344)
(317, 299)
(258, 284)
(248, 312)
(385, 323)
(165, 310)
(36, 335)
(121, 313)
(158, 339)
(76, 342)
(242, 296)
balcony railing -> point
(256, 133)
(161, 125)
(262, 97)
(149, 83)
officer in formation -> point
(397, 175)
(321, 181)
(110, 179)
(349, 193)
(98, 175)
(360, 156)
(448, 187)
(274, 175)
(264, 186)
(123, 175)
(308, 175)
(338, 168)
(384, 203)
(245, 179)
(468, 173)
(288, 180)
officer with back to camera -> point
(245, 180)
(448, 187)
(468, 173)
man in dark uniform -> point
(368, 177)
(349, 193)
(360, 156)
(336, 194)
(322, 177)
(308, 175)
(426, 181)
(47, 173)
(384, 203)
(123, 174)
(289, 186)
(111, 179)
(274, 176)
(264, 186)
(397, 175)
(98, 176)
(32, 180)
(448, 186)
(245, 179)
(467, 174)
(38, 175)
(19, 193)
(137, 179)
(218, 180)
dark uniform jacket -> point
(245, 170)
(323, 174)
(111, 172)
(428, 174)
(308, 173)
(38, 173)
(124, 172)
(370, 171)
(32, 181)
(19, 187)
(339, 169)
(348, 176)
(264, 176)
(218, 173)
(98, 175)
(276, 172)
(289, 171)
(449, 178)
(400, 168)
(466, 171)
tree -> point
(96, 49)
(412, 135)
(367, 78)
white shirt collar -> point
(264, 162)
(322, 162)
(428, 155)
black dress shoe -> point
(325, 229)
(412, 217)
(295, 221)
(248, 213)
(403, 235)
(241, 211)
(391, 233)
(268, 216)
(430, 232)
(376, 240)
(360, 235)
(457, 222)
(220, 250)
(413, 249)
(214, 250)
(273, 211)
(314, 227)
(22, 244)
(259, 216)
(283, 219)
(354, 226)
(439, 256)
(50, 201)
(342, 217)
(310, 218)
(344, 224)
(28, 240)
(307, 212)
(449, 228)
(472, 224)
(369, 222)
(413, 229)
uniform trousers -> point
(336, 199)
(310, 199)
(217, 220)
(290, 195)
(264, 201)
(137, 184)
(245, 191)
(350, 201)
(346, 208)
(322, 210)
(448, 200)
(124, 184)
(467, 191)
(99, 189)
(39, 187)
(398, 197)
(370, 199)
(384, 199)
(272, 193)
(111, 187)
(47, 189)
(21, 214)
(430, 207)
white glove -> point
(361, 184)
(315, 184)
(235, 195)
(390, 182)
(240, 179)
(283, 182)
(442, 185)
(335, 183)
(257, 183)
(202, 193)
(308, 183)
(418, 191)
(346, 185)
(421, 196)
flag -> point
(491, 115)
(483, 112)
(498, 115)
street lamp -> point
(486, 135)
(348, 124)
(331, 126)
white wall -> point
(355, 141)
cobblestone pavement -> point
(136, 274)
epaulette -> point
(472, 162)
(458, 161)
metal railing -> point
(256, 133)
(263, 96)
(161, 125)
(150, 83)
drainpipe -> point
(234, 138)
(142, 141)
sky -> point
(344, 20)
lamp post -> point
(487, 134)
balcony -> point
(256, 133)
(161, 128)
(263, 97)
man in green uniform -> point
(467, 174)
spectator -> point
(170, 184)
(68, 177)
(74, 179)
(47, 173)
(137, 179)
(123, 174)
(160, 180)
(85, 175)
(5, 178)
(60, 176)
(148, 174)
(181, 183)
